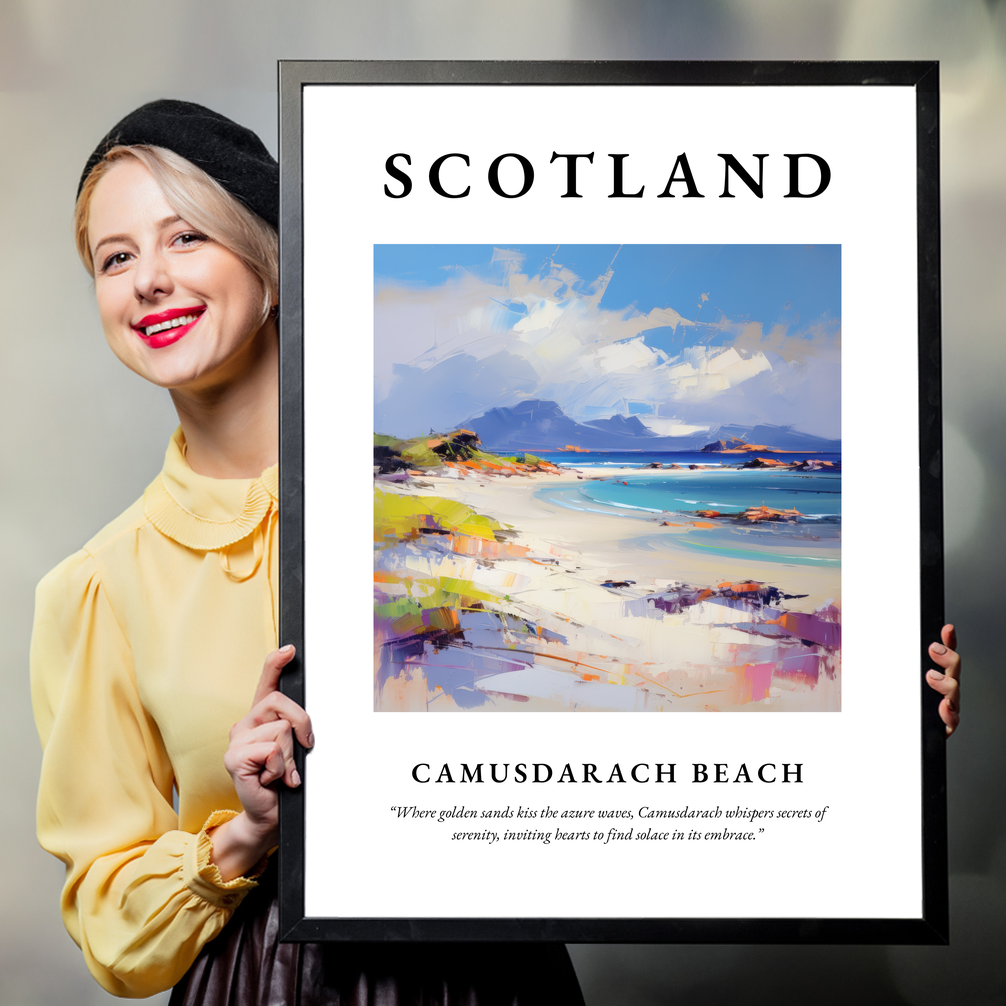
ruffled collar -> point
(203, 513)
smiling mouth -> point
(185, 319)
(167, 321)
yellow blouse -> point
(147, 647)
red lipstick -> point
(166, 327)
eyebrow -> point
(160, 225)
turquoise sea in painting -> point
(724, 490)
(817, 495)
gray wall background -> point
(82, 436)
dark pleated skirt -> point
(246, 965)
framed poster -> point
(611, 501)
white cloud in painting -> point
(631, 355)
(670, 427)
(702, 373)
(554, 341)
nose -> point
(152, 276)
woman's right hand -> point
(259, 754)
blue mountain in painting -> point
(622, 426)
(542, 425)
(534, 423)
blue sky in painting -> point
(767, 283)
(688, 337)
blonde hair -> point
(199, 200)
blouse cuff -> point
(202, 876)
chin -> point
(170, 374)
(191, 364)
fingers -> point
(947, 681)
(948, 660)
(261, 749)
(280, 763)
(270, 703)
(945, 655)
(277, 706)
(949, 688)
(262, 761)
(265, 751)
(271, 671)
(949, 636)
(272, 761)
(951, 717)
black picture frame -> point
(932, 926)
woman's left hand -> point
(948, 681)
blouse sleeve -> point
(141, 898)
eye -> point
(115, 261)
(189, 239)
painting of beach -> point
(607, 478)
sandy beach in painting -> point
(582, 607)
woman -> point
(148, 643)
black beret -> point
(230, 154)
